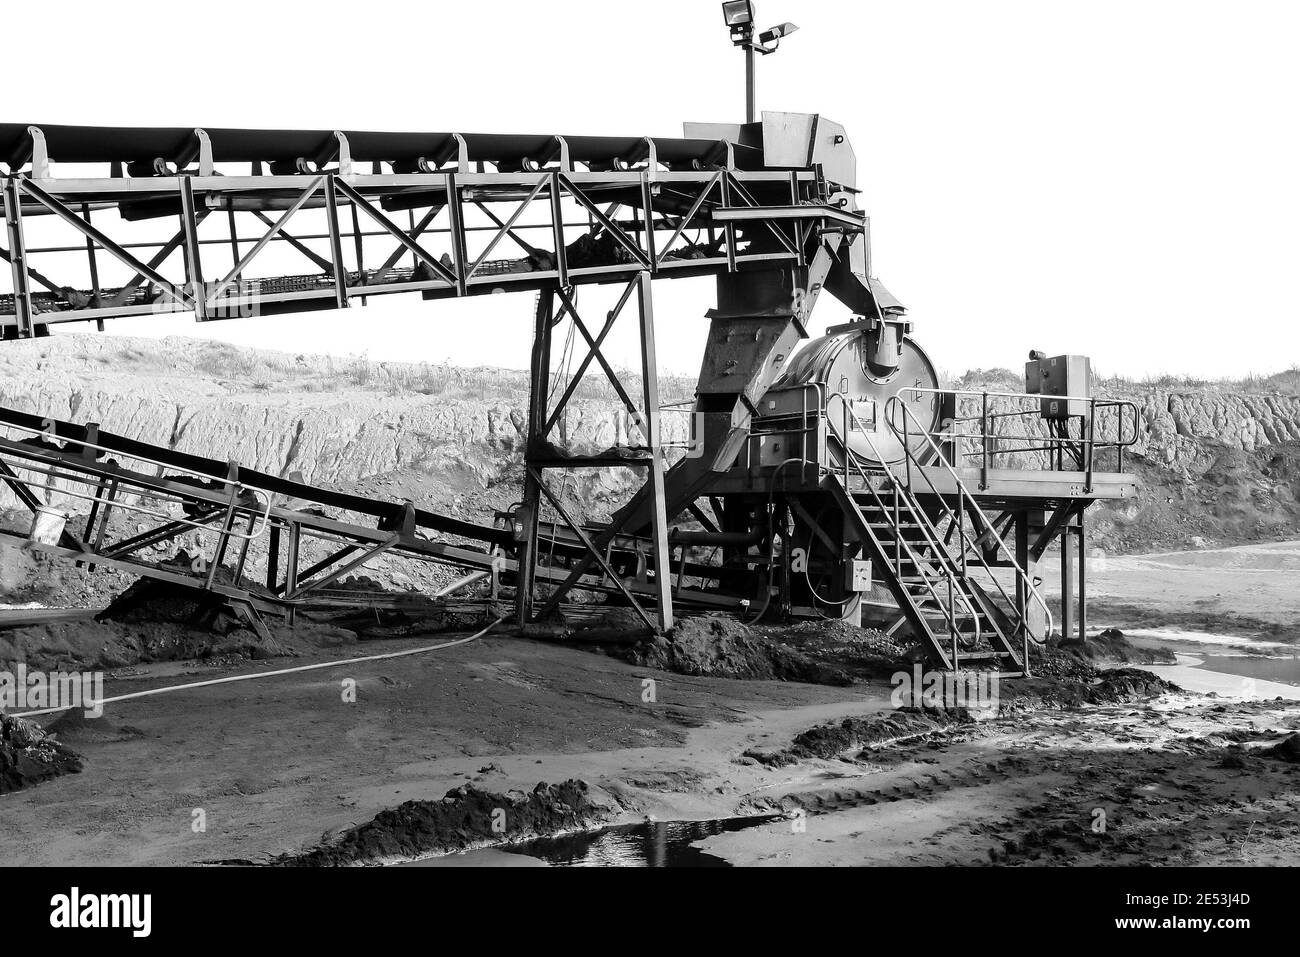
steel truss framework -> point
(570, 210)
(643, 210)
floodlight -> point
(776, 33)
(738, 13)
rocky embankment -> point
(1216, 466)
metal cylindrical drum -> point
(848, 364)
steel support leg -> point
(273, 558)
(650, 391)
(193, 259)
(1067, 582)
(1083, 578)
(539, 388)
(291, 571)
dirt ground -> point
(1170, 782)
(1248, 590)
(280, 765)
(268, 769)
(276, 764)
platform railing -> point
(966, 503)
(989, 443)
(809, 415)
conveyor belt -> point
(178, 496)
(385, 512)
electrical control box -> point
(857, 575)
(1056, 378)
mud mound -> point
(1111, 646)
(151, 600)
(75, 725)
(105, 645)
(95, 645)
(27, 575)
(857, 734)
(1287, 750)
(713, 646)
(906, 725)
(28, 756)
(465, 817)
(862, 652)
(1116, 686)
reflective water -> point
(654, 844)
(1285, 670)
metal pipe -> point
(460, 583)
(750, 92)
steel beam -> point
(614, 229)
(572, 311)
(596, 552)
(87, 229)
(1067, 584)
(593, 352)
(18, 260)
(397, 232)
(695, 208)
(650, 390)
(506, 228)
(414, 233)
(269, 235)
(538, 392)
(337, 268)
(193, 261)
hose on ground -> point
(271, 674)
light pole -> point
(739, 16)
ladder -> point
(937, 560)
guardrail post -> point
(1088, 443)
(984, 441)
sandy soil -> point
(275, 764)
(281, 764)
(1249, 590)
(1033, 791)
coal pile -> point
(1111, 646)
(29, 756)
(1287, 750)
(714, 646)
(1114, 686)
(465, 817)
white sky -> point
(1115, 178)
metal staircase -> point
(938, 558)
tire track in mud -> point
(1172, 782)
(928, 785)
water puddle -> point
(1179, 639)
(1284, 670)
(653, 844)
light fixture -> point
(776, 33)
(738, 13)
